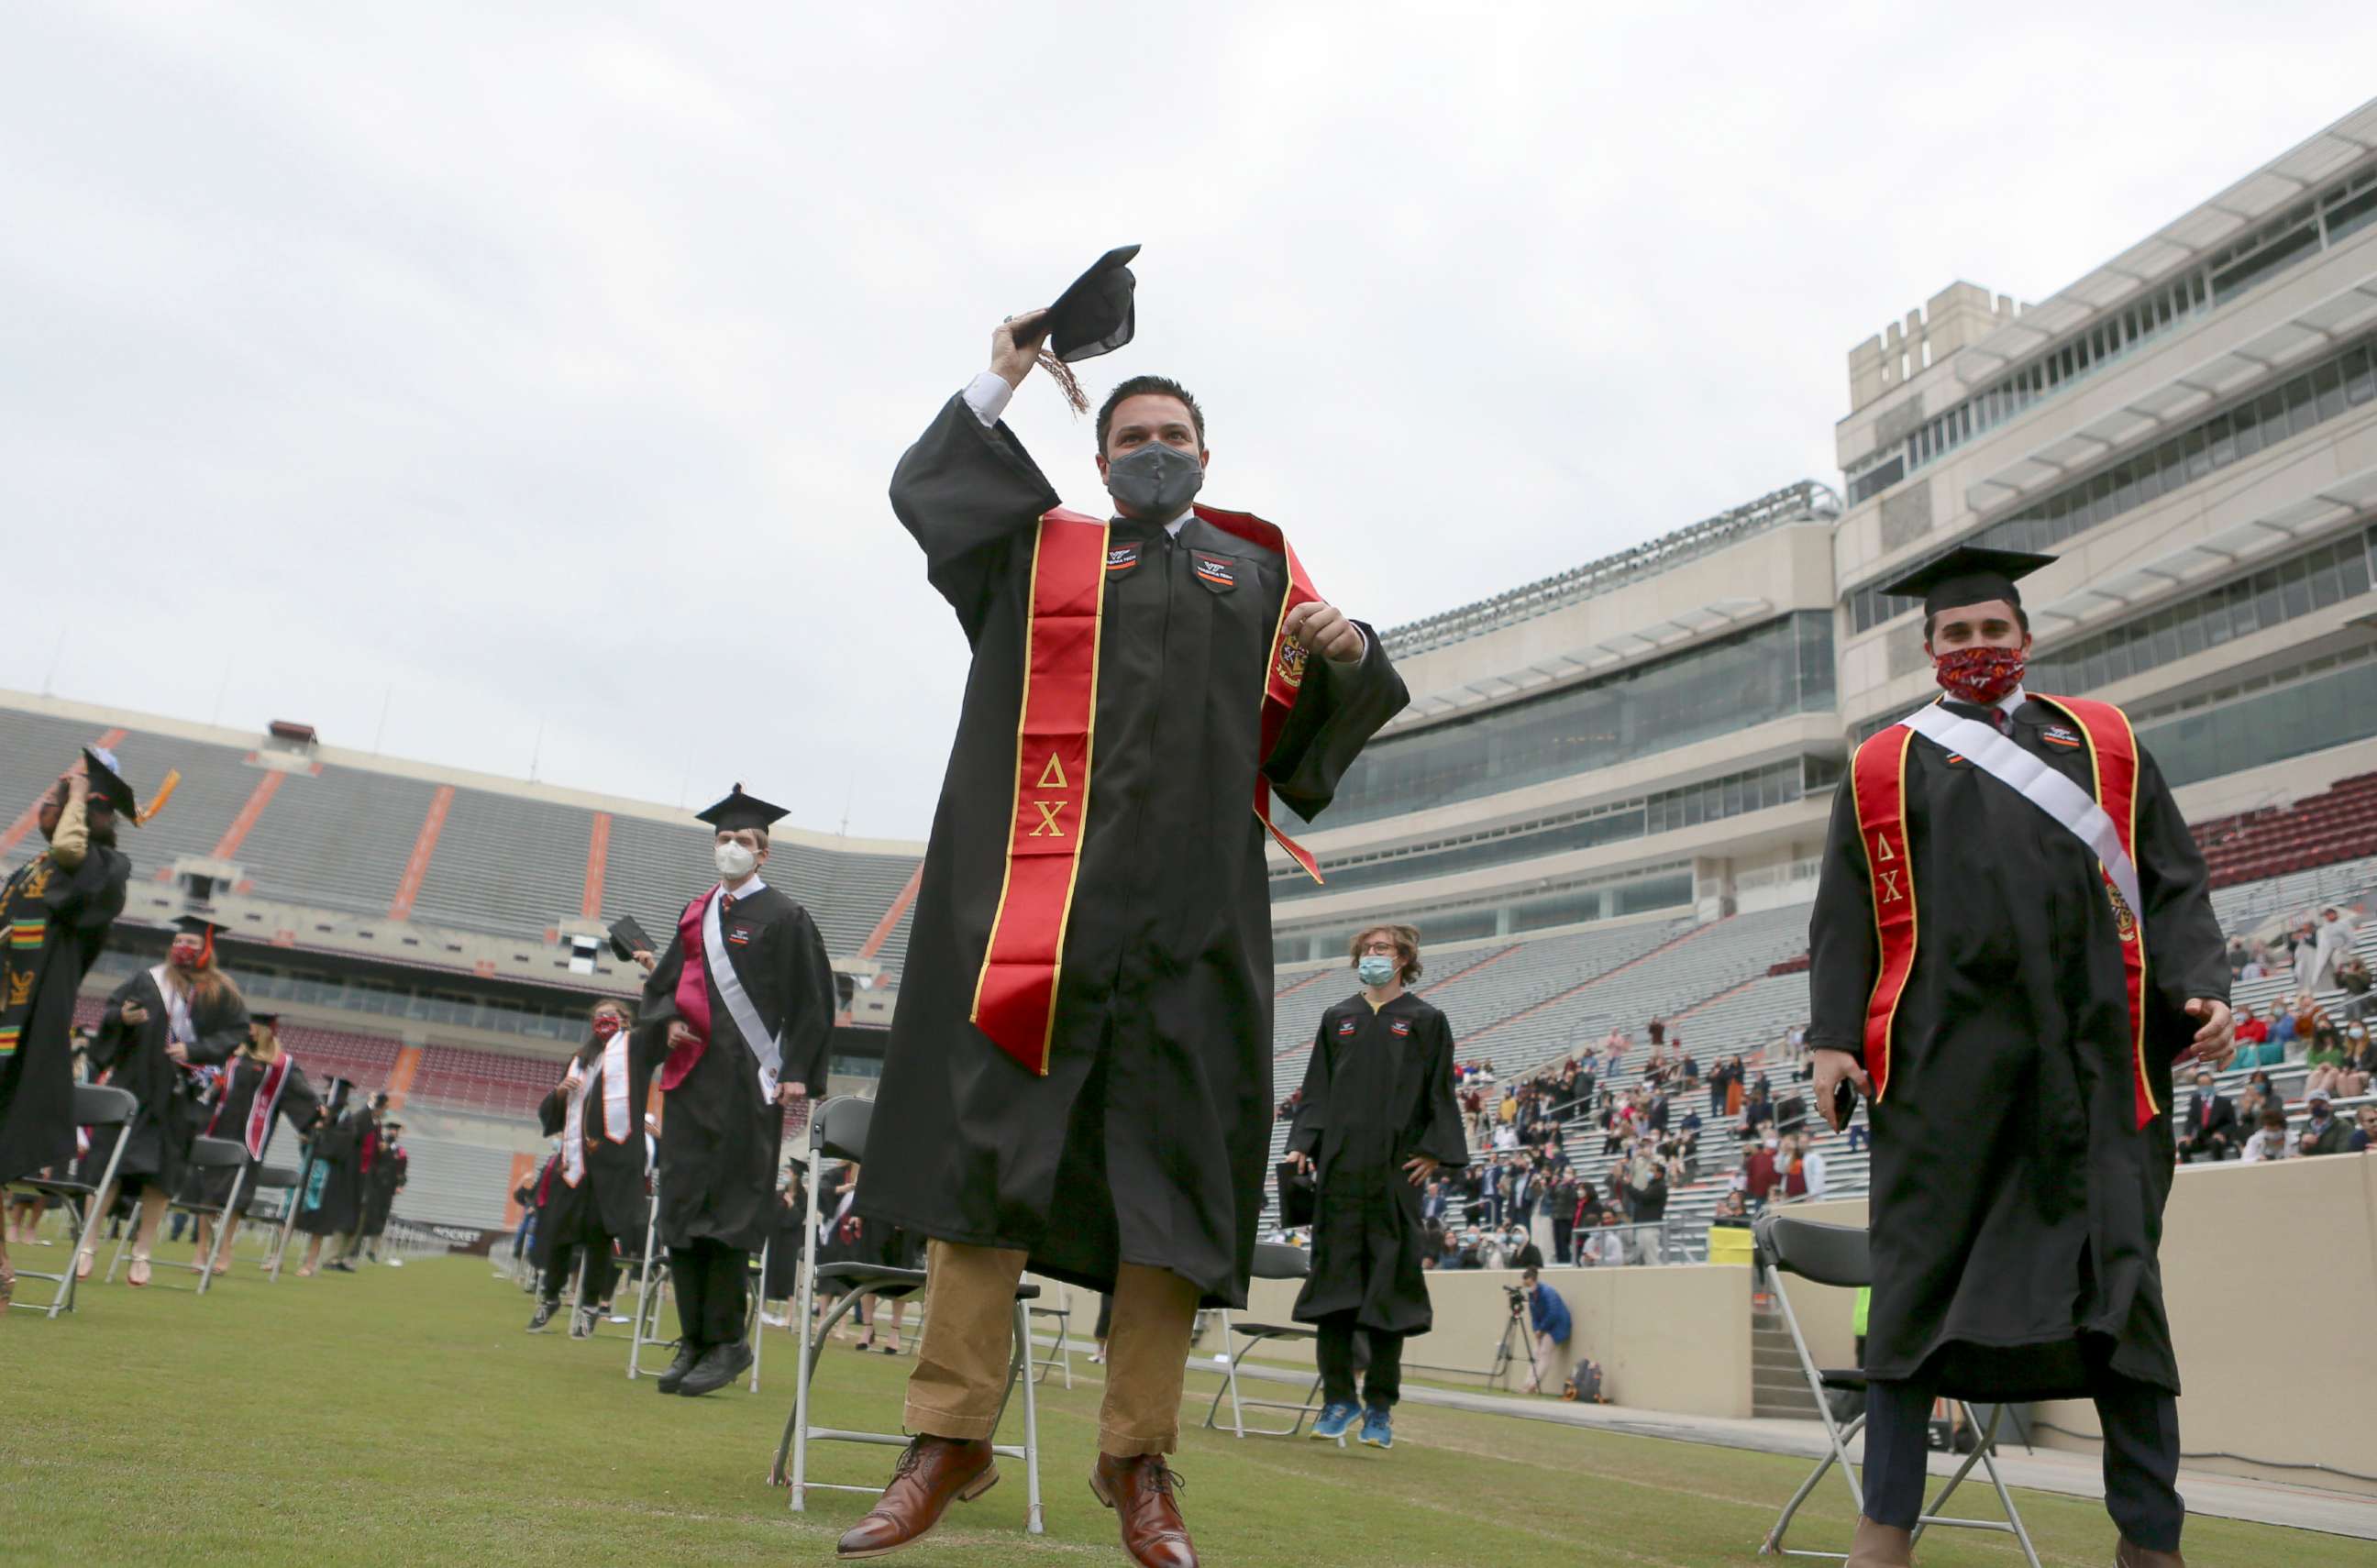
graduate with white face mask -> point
(735, 1022)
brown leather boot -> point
(2128, 1554)
(932, 1471)
(1880, 1546)
(1139, 1491)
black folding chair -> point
(837, 1131)
(206, 1154)
(95, 1105)
(1837, 1255)
(1271, 1261)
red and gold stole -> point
(1015, 995)
(1878, 775)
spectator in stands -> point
(2364, 1136)
(2332, 940)
(1646, 1208)
(1604, 1247)
(1757, 1174)
(2209, 1129)
(2324, 1131)
(2238, 956)
(161, 1027)
(2324, 1058)
(1516, 1249)
(2360, 1069)
(1432, 1199)
(2269, 1139)
(2250, 1032)
(2308, 1015)
(1811, 1167)
(1548, 1316)
(2352, 978)
(1560, 1201)
(1730, 1210)
(1688, 1071)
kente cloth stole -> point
(25, 919)
(1015, 994)
(2105, 819)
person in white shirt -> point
(2269, 1142)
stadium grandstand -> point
(1605, 801)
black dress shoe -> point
(717, 1368)
(687, 1353)
(544, 1310)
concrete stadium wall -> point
(1666, 1338)
(2269, 1272)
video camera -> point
(1518, 1299)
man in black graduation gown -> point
(1095, 1101)
(54, 914)
(331, 1203)
(262, 1068)
(386, 1180)
(736, 1019)
(597, 1198)
(2022, 1137)
(1378, 1121)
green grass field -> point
(401, 1416)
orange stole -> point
(1283, 675)
(2113, 757)
(1015, 998)
(1878, 778)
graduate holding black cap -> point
(2014, 943)
(55, 910)
(164, 1029)
(736, 1018)
(1079, 1075)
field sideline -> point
(402, 1417)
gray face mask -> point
(1155, 481)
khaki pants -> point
(961, 1374)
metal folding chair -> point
(1271, 1261)
(1060, 1355)
(206, 1154)
(95, 1105)
(650, 1292)
(837, 1131)
(1837, 1255)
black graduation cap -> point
(1094, 316)
(739, 810)
(628, 939)
(198, 924)
(1969, 574)
(108, 782)
(269, 1020)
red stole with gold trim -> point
(1878, 777)
(1015, 997)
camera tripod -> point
(1505, 1359)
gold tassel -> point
(172, 781)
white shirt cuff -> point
(987, 395)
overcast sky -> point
(524, 367)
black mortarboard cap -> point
(628, 939)
(269, 1020)
(199, 924)
(739, 810)
(108, 782)
(1094, 316)
(1969, 574)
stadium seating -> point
(486, 1081)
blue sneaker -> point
(1335, 1417)
(1379, 1426)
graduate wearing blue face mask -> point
(1380, 1121)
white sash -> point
(827, 1228)
(765, 1048)
(178, 1028)
(2029, 777)
(611, 1068)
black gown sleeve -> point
(93, 896)
(1312, 1113)
(965, 494)
(553, 1111)
(657, 1009)
(1843, 954)
(115, 1038)
(1337, 709)
(1440, 1138)
(221, 1029)
(808, 1003)
(2186, 955)
(300, 1102)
